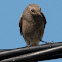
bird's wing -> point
(43, 19)
(20, 24)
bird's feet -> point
(47, 42)
(28, 46)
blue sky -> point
(10, 11)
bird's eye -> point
(32, 10)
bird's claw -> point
(48, 42)
(28, 46)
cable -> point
(10, 53)
(42, 55)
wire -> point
(41, 52)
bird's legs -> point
(28, 44)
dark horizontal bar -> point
(38, 55)
(20, 51)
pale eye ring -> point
(32, 10)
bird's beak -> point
(39, 14)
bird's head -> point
(34, 9)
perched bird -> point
(32, 24)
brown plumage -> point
(32, 24)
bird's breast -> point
(32, 30)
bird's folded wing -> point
(20, 24)
(43, 19)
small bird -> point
(32, 24)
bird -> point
(32, 24)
